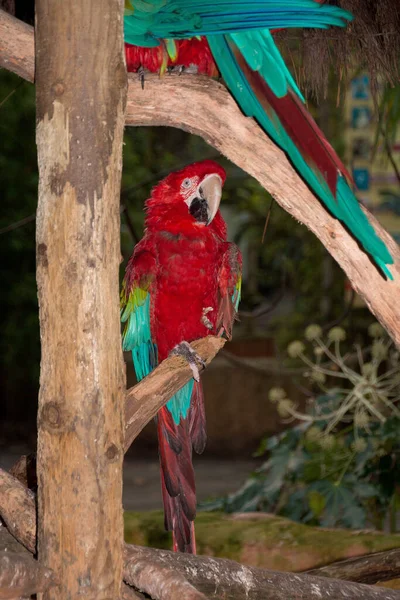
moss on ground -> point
(262, 540)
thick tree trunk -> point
(80, 92)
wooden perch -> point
(147, 397)
(380, 566)
(21, 575)
(204, 107)
(225, 579)
(16, 46)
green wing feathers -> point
(135, 313)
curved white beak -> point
(211, 189)
(203, 204)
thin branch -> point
(10, 94)
(389, 151)
(261, 311)
(18, 224)
(204, 107)
(129, 222)
(347, 310)
(265, 369)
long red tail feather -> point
(177, 473)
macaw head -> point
(187, 199)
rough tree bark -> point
(80, 96)
(80, 78)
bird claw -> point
(140, 72)
(185, 350)
(204, 319)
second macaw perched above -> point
(182, 283)
(234, 38)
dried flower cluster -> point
(361, 387)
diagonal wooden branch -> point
(17, 502)
(204, 107)
(145, 399)
(16, 46)
(226, 579)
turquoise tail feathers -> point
(236, 57)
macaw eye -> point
(186, 183)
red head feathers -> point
(187, 200)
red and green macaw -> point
(181, 283)
(233, 37)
